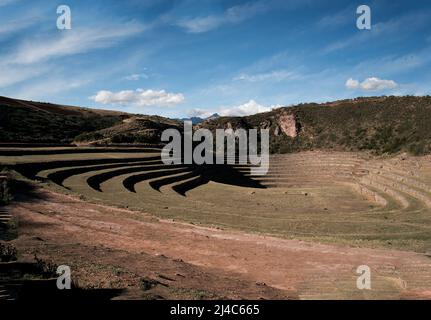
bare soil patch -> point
(108, 247)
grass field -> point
(320, 196)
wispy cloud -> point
(32, 58)
(412, 20)
(277, 75)
(136, 76)
(337, 19)
(395, 64)
(51, 86)
(7, 2)
(73, 42)
(235, 14)
(201, 24)
(8, 28)
(11, 75)
(139, 97)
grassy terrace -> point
(340, 197)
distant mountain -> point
(197, 120)
(213, 116)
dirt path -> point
(110, 247)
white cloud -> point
(235, 14)
(246, 109)
(249, 108)
(371, 84)
(277, 75)
(139, 97)
(136, 77)
(352, 84)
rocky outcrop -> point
(288, 124)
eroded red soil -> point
(116, 248)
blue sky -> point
(182, 58)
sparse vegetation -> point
(34, 122)
(47, 269)
(7, 252)
(377, 124)
(142, 129)
(5, 192)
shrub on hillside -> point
(7, 252)
(5, 192)
(88, 136)
(418, 149)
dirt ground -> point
(108, 247)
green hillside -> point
(136, 129)
(34, 122)
(378, 124)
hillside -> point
(136, 129)
(377, 124)
(36, 122)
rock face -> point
(287, 124)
